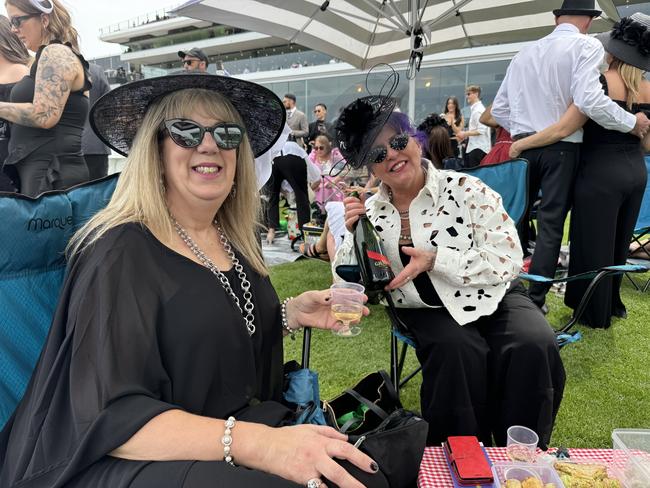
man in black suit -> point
(319, 126)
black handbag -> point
(372, 416)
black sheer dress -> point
(140, 330)
(607, 197)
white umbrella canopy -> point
(368, 32)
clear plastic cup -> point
(347, 306)
(522, 444)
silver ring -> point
(408, 278)
(314, 483)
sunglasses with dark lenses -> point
(187, 133)
(319, 148)
(378, 154)
(18, 20)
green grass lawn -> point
(608, 371)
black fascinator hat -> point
(117, 116)
(629, 40)
(430, 122)
(361, 122)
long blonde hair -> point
(59, 22)
(140, 193)
(632, 78)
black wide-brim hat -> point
(578, 7)
(629, 41)
(117, 116)
(359, 125)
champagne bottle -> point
(375, 268)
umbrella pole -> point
(411, 107)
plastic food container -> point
(520, 471)
(631, 461)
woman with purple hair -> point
(489, 358)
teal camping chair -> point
(35, 234)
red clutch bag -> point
(468, 460)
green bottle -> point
(375, 268)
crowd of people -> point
(164, 362)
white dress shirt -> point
(457, 215)
(481, 141)
(544, 78)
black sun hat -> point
(629, 40)
(117, 115)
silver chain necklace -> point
(249, 318)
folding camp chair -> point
(35, 234)
(642, 233)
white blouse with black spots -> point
(457, 215)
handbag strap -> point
(390, 389)
(364, 401)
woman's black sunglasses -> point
(18, 20)
(378, 154)
(187, 133)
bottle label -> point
(380, 260)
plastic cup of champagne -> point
(347, 307)
(522, 444)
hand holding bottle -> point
(354, 208)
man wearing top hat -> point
(542, 80)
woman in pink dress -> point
(326, 157)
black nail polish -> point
(374, 467)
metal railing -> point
(142, 19)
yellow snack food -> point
(513, 484)
(577, 475)
(532, 483)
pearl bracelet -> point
(285, 323)
(226, 440)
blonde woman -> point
(13, 67)
(612, 176)
(163, 366)
(49, 107)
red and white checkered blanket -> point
(435, 474)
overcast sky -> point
(88, 16)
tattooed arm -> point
(58, 72)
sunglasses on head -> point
(378, 154)
(18, 20)
(187, 133)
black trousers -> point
(44, 172)
(97, 165)
(607, 198)
(294, 170)
(552, 169)
(479, 379)
(473, 158)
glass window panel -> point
(488, 76)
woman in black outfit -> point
(49, 107)
(13, 67)
(455, 121)
(612, 176)
(163, 366)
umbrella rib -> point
(426, 3)
(447, 13)
(353, 16)
(391, 5)
(371, 4)
(302, 29)
(370, 41)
